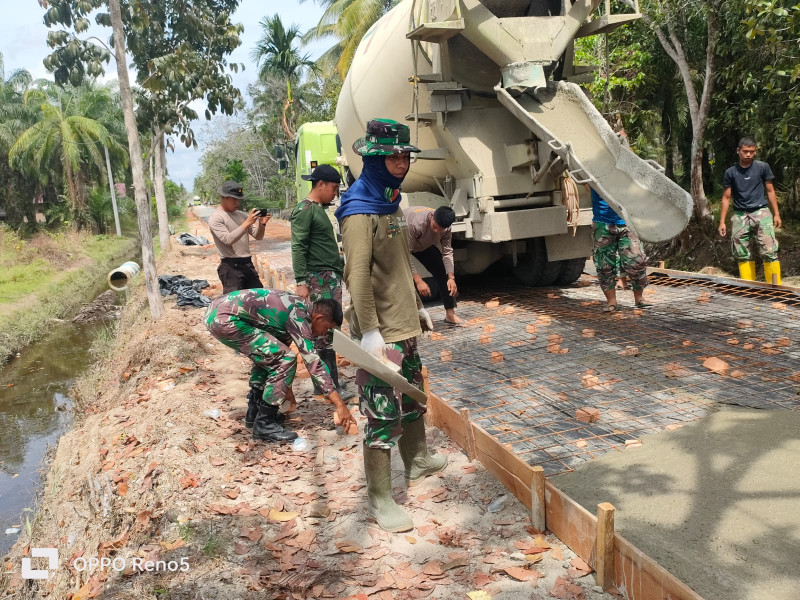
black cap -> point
(232, 189)
(323, 173)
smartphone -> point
(263, 212)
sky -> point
(23, 43)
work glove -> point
(425, 320)
(372, 342)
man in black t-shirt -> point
(751, 219)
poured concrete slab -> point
(717, 502)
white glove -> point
(425, 320)
(372, 342)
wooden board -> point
(643, 578)
(384, 371)
(570, 522)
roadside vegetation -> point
(48, 276)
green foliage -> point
(278, 58)
(179, 50)
(346, 21)
(234, 170)
(100, 210)
(67, 135)
(177, 197)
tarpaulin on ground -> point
(187, 290)
(187, 239)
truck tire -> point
(571, 271)
(533, 268)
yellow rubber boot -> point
(747, 270)
(770, 269)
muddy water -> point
(34, 411)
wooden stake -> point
(537, 499)
(604, 564)
(661, 264)
(774, 279)
(430, 414)
(470, 435)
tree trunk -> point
(161, 198)
(137, 166)
(697, 189)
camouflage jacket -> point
(282, 315)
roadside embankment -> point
(48, 277)
(162, 480)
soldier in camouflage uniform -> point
(617, 251)
(751, 219)
(261, 324)
(386, 314)
(315, 255)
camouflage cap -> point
(384, 137)
(232, 189)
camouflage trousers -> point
(757, 224)
(328, 285)
(618, 251)
(274, 364)
(385, 408)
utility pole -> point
(113, 194)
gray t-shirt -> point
(747, 185)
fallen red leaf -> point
(523, 574)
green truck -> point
(316, 144)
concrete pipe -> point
(119, 278)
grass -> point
(47, 277)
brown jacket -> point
(378, 274)
(421, 236)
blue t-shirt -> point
(602, 212)
(747, 185)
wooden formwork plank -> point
(447, 419)
(570, 522)
(512, 472)
(643, 578)
(470, 435)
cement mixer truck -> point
(488, 89)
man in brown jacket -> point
(431, 243)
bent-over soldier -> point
(262, 324)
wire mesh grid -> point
(641, 369)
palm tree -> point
(347, 21)
(67, 137)
(12, 110)
(276, 55)
(16, 190)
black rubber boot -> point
(267, 427)
(329, 358)
(253, 400)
